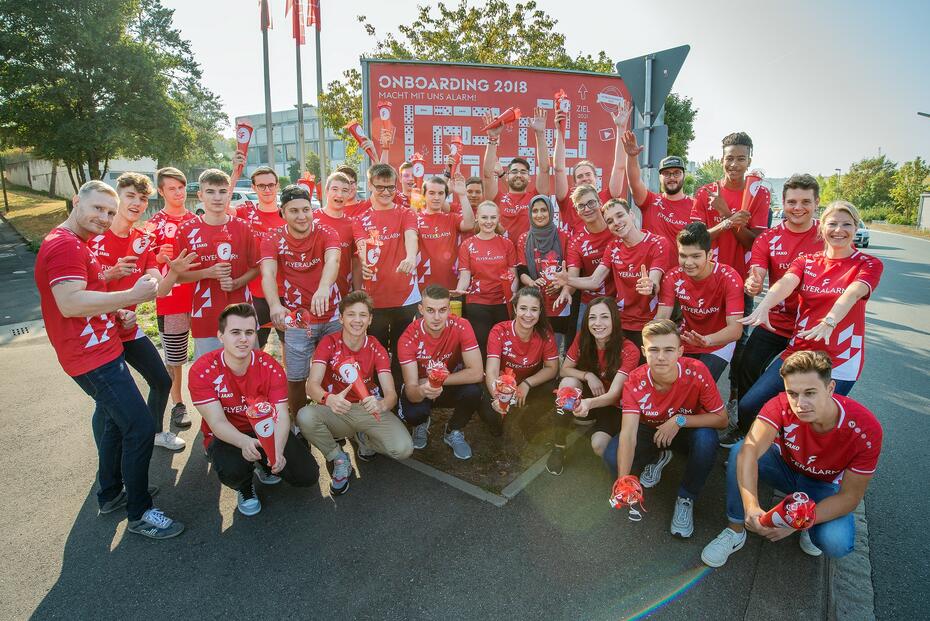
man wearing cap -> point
(667, 213)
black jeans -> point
(539, 399)
(142, 356)
(234, 471)
(464, 398)
(483, 317)
(715, 364)
(124, 433)
(761, 348)
(736, 360)
(387, 324)
(636, 336)
(264, 316)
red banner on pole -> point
(293, 9)
(313, 13)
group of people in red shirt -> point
(641, 309)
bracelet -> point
(326, 395)
(494, 140)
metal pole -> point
(647, 119)
(301, 149)
(6, 202)
(319, 116)
(269, 135)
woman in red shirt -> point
(540, 252)
(598, 362)
(526, 346)
(487, 270)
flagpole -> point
(301, 149)
(269, 134)
(319, 115)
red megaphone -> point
(262, 416)
(350, 373)
(504, 118)
(355, 128)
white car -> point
(239, 198)
(861, 240)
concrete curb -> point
(850, 594)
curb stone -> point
(851, 596)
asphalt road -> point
(401, 545)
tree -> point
(709, 171)
(868, 183)
(85, 81)
(830, 188)
(909, 181)
(312, 165)
(493, 32)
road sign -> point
(665, 67)
(658, 139)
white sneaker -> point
(683, 518)
(807, 546)
(247, 502)
(716, 553)
(652, 473)
(170, 441)
(265, 477)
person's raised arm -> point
(468, 213)
(538, 125)
(632, 151)
(559, 170)
(618, 172)
(489, 179)
(74, 300)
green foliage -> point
(709, 171)
(491, 32)
(830, 189)
(871, 215)
(89, 80)
(909, 181)
(868, 182)
(690, 184)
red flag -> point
(313, 13)
(297, 24)
(265, 11)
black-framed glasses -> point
(588, 205)
(383, 188)
(264, 187)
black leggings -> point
(761, 348)
(539, 399)
(264, 316)
(483, 317)
(387, 324)
(301, 469)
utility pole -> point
(319, 113)
(269, 134)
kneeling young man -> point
(671, 402)
(222, 383)
(339, 410)
(806, 439)
(447, 339)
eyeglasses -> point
(590, 205)
(264, 187)
(383, 188)
(518, 171)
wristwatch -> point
(830, 321)
(680, 420)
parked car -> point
(239, 198)
(862, 236)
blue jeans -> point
(836, 538)
(299, 345)
(768, 386)
(142, 356)
(700, 443)
(125, 434)
(465, 398)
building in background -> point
(284, 137)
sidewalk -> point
(20, 313)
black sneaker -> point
(120, 501)
(180, 417)
(554, 464)
(731, 438)
(156, 525)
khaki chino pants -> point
(321, 427)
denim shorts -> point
(299, 345)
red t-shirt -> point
(774, 250)
(343, 228)
(372, 359)
(524, 357)
(629, 359)
(389, 288)
(514, 208)
(209, 300)
(547, 266)
(705, 304)
(666, 217)
(569, 220)
(585, 251)
(823, 280)
(694, 392)
(417, 345)
(261, 222)
(165, 228)
(109, 248)
(209, 379)
(82, 344)
(439, 234)
(854, 444)
(625, 263)
(726, 248)
(356, 209)
(300, 265)
(487, 260)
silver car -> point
(862, 236)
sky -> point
(818, 85)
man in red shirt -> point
(174, 309)
(228, 252)
(439, 232)
(225, 386)
(585, 171)
(352, 199)
(667, 213)
(80, 319)
(438, 337)
(711, 298)
(807, 439)
(353, 392)
(671, 402)
(304, 256)
(515, 201)
(474, 188)
(386, 238)
(338, 193)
